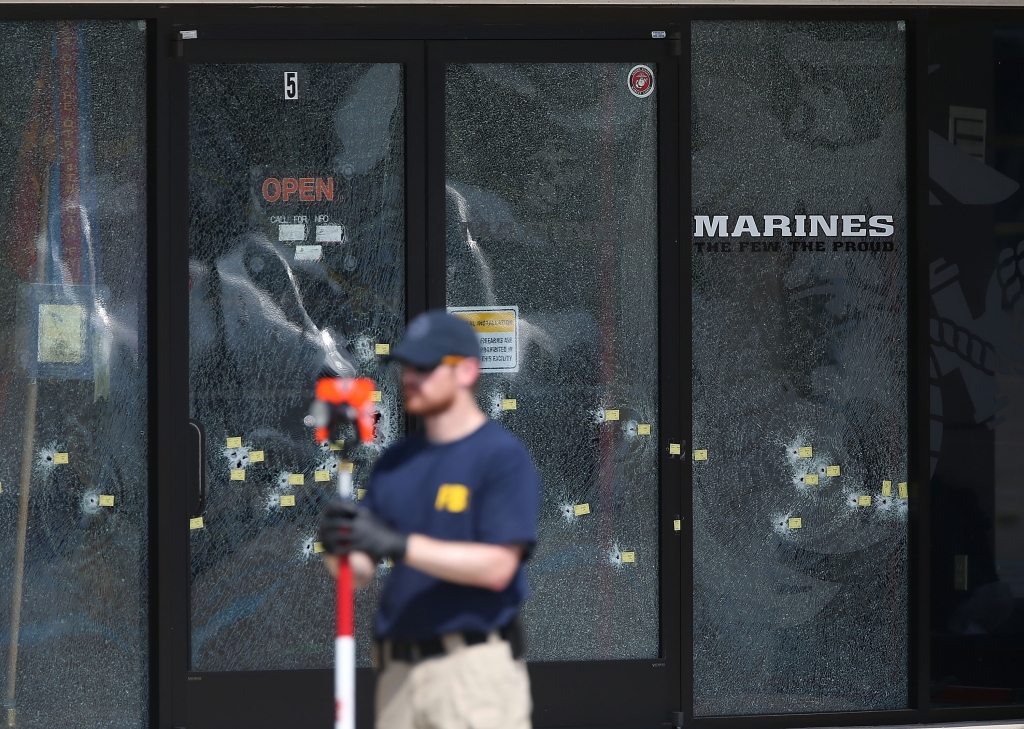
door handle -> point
(199, 464)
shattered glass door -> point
(297, 254)
(551, 244)
(799, 290)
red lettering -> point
(268, 184)
(325, 188)
(307, 189)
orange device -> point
(341, 400)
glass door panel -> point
(296, 254)
(552, 222)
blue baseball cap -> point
(434, 335)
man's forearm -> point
(490, 566)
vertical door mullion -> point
(918, 355)
(416, 189)
(171, 362)
(685, 402)
(672, 365)
(435, 176)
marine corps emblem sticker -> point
(641, 81)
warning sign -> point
(497, 328)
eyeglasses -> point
(448, 359)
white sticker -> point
(641, 81)
(291, 85)
(330, 234)
(291, 232)
(189, 34)
(497, 328)
(657, 34)
(309, 253)
(62, 333)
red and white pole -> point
(344, 640)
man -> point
(455, 508)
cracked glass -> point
(297, 254)
(799, 367)
(74, 470)
(551, 215)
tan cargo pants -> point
(469, 687)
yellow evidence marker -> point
(643, 429)
(380, 348)
(700, 455)
(234, 442)
(811, 479)
(508, 404)
(805, 452)
(832, 471)
(288, 500)
(863, 501)
(795, 522)
(106, 500)
(886, 488)
(581, 509)
(237, 474)
(255, 456)
(196, 523)
(628, 557)
(611, 414)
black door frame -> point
(567, 694)
(595, 693)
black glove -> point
(345, 528)
(336, 525)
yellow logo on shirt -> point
(452, 497)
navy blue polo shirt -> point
(482, 488)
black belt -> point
(417, 650)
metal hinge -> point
(675, 43)
(178, 46)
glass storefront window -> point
(799, 367)
(74, 508)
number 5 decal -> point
(291, 85)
